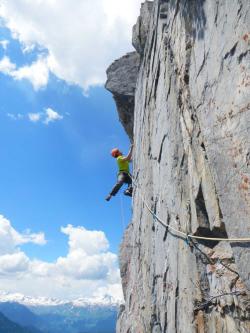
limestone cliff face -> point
(122, 76)
(192, 165)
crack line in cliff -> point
(210, 261)
(204, 305)
(231, 52)
(181, 234)
(155, 73)
(175, 13)
(203, 63)
(160, 153)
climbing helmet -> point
(115, 152)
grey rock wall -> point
(141, 28)
(192, 167)
(121, 82)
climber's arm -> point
(129, 156)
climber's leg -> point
(118, 185)
(128, 181)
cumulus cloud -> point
(13, 263)
(48, 115)
(81, 37)
(28, 237)
(4, 44)
(12, 259)
(88, 270)
(37, 73)
(88, 257)
(86, 241)
(51, 116)
(34, 117)
(6, 66)
(10, 239)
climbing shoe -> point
(108, 197)
(128, 192)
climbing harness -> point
(187, 237)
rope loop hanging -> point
(177, 232)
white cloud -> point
(90, 249)
(13, 263)
(82, 37)
(13, 116)
(37, 73)
(10, 239)
(40, 268)
(89, 242)
(51, 116)
(34, 117)
(4, 44)
(88, 269)
(112, 289)
(47, 116)
(12, 259)
(28, 237)
(6, 66)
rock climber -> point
(123, 173)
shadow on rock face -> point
(192, 11)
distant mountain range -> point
(44, 315)
(8, 326)
(20, 314)
(30, 301)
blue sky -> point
(59, 173)
(56, 132)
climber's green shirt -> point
(122, 165)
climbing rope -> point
(178, 232)
(122, 212)
(203, 305)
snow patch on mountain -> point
(106, 300)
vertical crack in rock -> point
(157, 79)
(201, 210)
(162, 143)
(176, 307)
(231, 52)
(204, 228)
(141, 28)
(203, 64)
